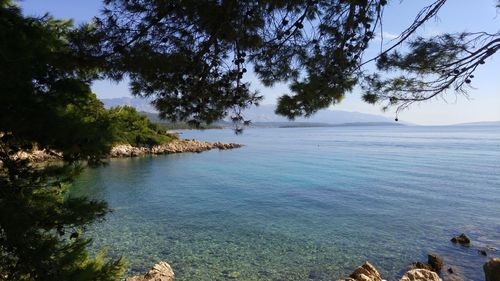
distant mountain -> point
(265, 114)
(311, 124)
(483, 123)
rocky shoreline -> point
(162, 271)
(368, 272)
(38, 155)
(417, 271)
(176, 146)
(127, 150)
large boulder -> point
(366, 272)
(420, 275)
(492, 270)
(159, 272)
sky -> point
(482, 103)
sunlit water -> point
(305, 203)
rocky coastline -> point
(176, 146)
(38, 155)
(127, 150)
(368, 272)
(417, 271)
(162, 271)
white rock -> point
(420, 275)
(159, 272)
(366, 272)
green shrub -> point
(131, 127)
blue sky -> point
(483, 103)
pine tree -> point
(191, 57)
(45, 100)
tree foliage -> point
(45, 99)
(430, 67)
(192, 56)
(40, 229)
(200, 51)
(45, 92)
(131, 127)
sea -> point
(305, 203)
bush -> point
(131, 127)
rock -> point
(36, 155)
(314, 275)
(420, 265)
(159, 272)
(492, 270)
(366, 272)
(435, 262)
(462, 239)
(420, 275)
(176, 146)
(124, 150)
(482, 252)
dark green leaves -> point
(430, 67)
(130, 127)
(45, 102)
(191, 57)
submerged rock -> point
(230, 274)
(482, 252)
(159, 272)
(492, 270)
(366, 272)
(462, 239)
(314, 275)
(420, 275)
(435, 262)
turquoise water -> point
(305, 203)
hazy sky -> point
(483, 103)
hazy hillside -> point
(265, 113)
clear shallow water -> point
(305, 203)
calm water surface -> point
(305, 203)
